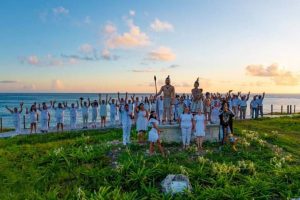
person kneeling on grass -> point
(200, 125)
(154, 134)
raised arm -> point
(10, 110)
(126, 97)
(263, 96)
(106, 99)
(100, 98)
(119, 97)
(80, 102)
(248, 96)
(21, 107)
(77, 104)
(89, 102)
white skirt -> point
(141, 124)
(199, 132)
(153, 135)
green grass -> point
(87, 165)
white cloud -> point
(160, 26)
(109, 29)
(134, 38)
(105, 54)
(162, 54)
(277, 75)
(57, 85)
(47, 61)
(132, 13)
(60, 11)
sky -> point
(119, 45)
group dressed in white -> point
(192, 112)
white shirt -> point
(126, 119)
(186, 120)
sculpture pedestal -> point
(172, 133)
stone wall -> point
(172, 133)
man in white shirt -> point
(260, 104)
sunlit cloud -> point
(133, 38)
(57, 85)
(160, 26)
(162, 54)
(277, 75)
(47, 61)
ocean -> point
(13, 99)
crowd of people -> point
(192, 112)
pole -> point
(294, 108)
(287, 110)
(1, 124)
(281, 109)
(24, 122)
(155, 85)
(291, 109)
(271, 109)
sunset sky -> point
(119, 45)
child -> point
(103, 110)
(215, 112)
(113, 111)
(73, 115)
(45, 118)
(226, 122)
(59, 115)
(32, 117)
(85, 112)
(200, 125)
(207, 104)
(154, 134)
(126, 124)
(16, 114)
(141, 123)
(94, 106)
(186, 124)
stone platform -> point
(172, 133)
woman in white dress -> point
(32, 113)
(186, 124)
(154, 134)
(141, 122)
(73, 115)
(59, 115)
(16, 115)
(200, 124)
(45, 118)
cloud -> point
(8, 82)
(277, 75)
(86, 49)
(132, 13)
(147, 70)
(174, 66)
(162, 54)
(57, 85)
(133, 38)
(160, 26)
(46, 61)
(60, 11)
(87, 20)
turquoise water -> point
(13, 99)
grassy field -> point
(94, 165)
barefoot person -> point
(197, 104)
(16, 115)
(59, 115)
(73, 115)
(103, 110)
(45, 117)
(154, 134)
(169, 95)
(126, 123)
(85, 111)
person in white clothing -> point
(113, 111)
(215, 112)
(154, 134)
(141, 122)
(45, 117)
(126, 123)
(59, 115)
(200, 125)
(16, 115)
(94, 106)
(243, 106)
(122, 103)
(73, 115)
(186, 125)
(32, 113)
(160, 102)
(85, 111)
(103, 110)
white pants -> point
(161, 115)
(85, 118)
(186, 135)
(17, 125)
(126, 133)
(112, 118)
